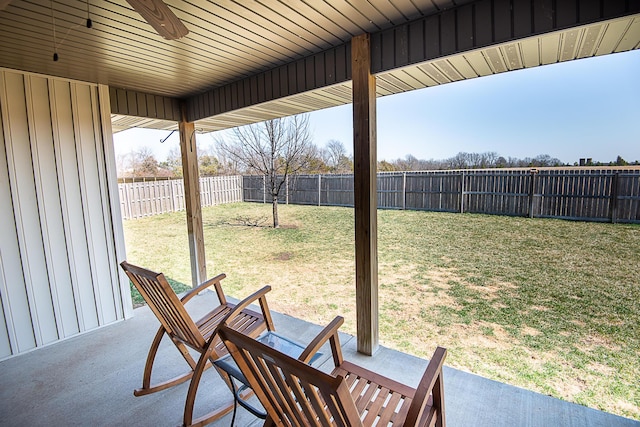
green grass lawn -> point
(549, 305)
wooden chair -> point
(198, 335)
(296, 394)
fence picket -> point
(140, 199)
(570, 193)
(586, 194)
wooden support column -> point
(192, 198)
(365, 194)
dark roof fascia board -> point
(485, 23)
(470, 26)
(133, 103)
(325, 68)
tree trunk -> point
(274, 203)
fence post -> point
(462, 174)
(128, 191)
(404, 191)
(319, 188)
(532, 191)
(614, 197)
(264, 189)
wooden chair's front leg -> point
(148, 367)
(147, 388)
(203, 364)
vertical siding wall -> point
(58, 269)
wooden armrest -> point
(330, 332)
(259, 296)
(213, 281)
(431, 375)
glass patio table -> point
(228, 365)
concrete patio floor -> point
(89, 380)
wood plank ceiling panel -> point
(118, 53)
(228, 40)
(352, 17)
(125, 24)
(462, 66)
(133, 57)
(631, 37)
(333, 25)
(244, 22)
(299, 26)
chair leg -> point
(147, 388)
(203, 364)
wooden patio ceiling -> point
(234, 44)
(228, 40)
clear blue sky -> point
(584, 108)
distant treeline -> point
(332, 159)
(486, 160)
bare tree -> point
(459, 161)
(489, 159)
(139, 163)
(275, 148)
(335, 155)
(174, 161)
(334, 151)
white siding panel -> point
(47, 187)
(17, 329)
(92, 200)
(5, 343)
(19, 159)
(119, 254)
(71, 197)
(60, 246)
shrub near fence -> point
(590, 194)
(140, 199)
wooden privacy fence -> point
(604, 194)
(140, 199)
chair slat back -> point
(165, 304)
(292, 392)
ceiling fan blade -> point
(160, 17)
(4, 4)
